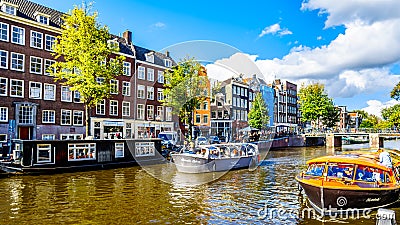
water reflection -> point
(132, 196)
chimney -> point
(167, 53)
(127, 35)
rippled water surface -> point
(268, 195)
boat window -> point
(81, 151)
(315, 169)
(370, 174)
(338, 170)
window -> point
(71, 136)
(26, 114)
(128, 131)
(9, 9)
(36, 65)
(77, 97)
(119, 150)
(50, 41)
(47, 68)
(140, 92)
(66, 94)
(36, 39)
(213, 115)
(141, 73)
(150, 57)
(99, 80)
(114, 87)
(35, 90)
(126, 88)
(113, 108)
(126, 108)
(49, 92)
(160, 113)
(3, 31)
(42, 19)
(101, 107)
(198, 119)
(3, 86)
(168, 114)
(150, 112)
(43, 153)
(150, 74)
(234, 90)
(16, 88)
(160, 78)
(18, 35)
(205, 118)
(78, 118)
(48, 137)
(160, 95)
(17, 61)
(81, 151)
(3, 59)
(167, 63)
(140, 111)
(3, 114)
(66, 117)
(48, 116)
(127, 68)
(150, 93)
(205, 105)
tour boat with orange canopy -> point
(354, 181)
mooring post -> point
(386, 217)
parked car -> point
(214, 140)
(201, 141)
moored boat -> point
(219, 157)
(350, 182)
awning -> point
(113, 123)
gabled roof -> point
(27, 10)
(158, 56)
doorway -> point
(25, 133)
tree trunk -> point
(87, 119)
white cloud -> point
(375, 107)
(159, 25)
(275, 29)
(319, 38)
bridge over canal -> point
(376, 140)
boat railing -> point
(228, 150)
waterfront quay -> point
(159, 195)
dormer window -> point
(9, 8)
(42, 18)
(150, 57)
(167, 63)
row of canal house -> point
(33, 106)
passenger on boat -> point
(384, 158)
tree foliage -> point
(331, 116)
(82, 50)
(258, 114)
(315, 105)
(392, 115)
(395, 93)
(185, 88)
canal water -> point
(155, 195)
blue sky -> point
(351, 46)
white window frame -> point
(71, 136)
(160, 77)
(150, 112)
(9, 8)
(5, 58)
(21, 39)
(126, 108)
(126, 69)
(168, 114)
(4, 83)
(66, 94)
(42, 19)
(35, 63)
(48, 116)
(150, 74)
(119, 150)
(15, 57)
(88, 151)
(141, 91)
(113, 108)
(47, 149)
(126, 88)
(141, 73)
(76, 114)
(160, 94)
(114, 87)
(150, 93)
(160, 113)
(48, 136)
(167, 63)
(36, 39)
(46, 92)
(32, 90)
(101, 107)
(140, 111)
(47, 64)
(4, 28)
(22, 88)
(63, 119)
(50, 41)
(3, 114)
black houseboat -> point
(57, 156)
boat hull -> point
(328, 200)
(190, 163)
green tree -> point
(392, 115)
(258, 114)
(395, 93)
(315, 105)
(82, 50)
(185, 88)
(331, 115)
